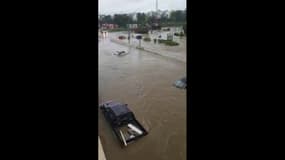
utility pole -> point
(129, 32)
(156, 6)
(128, 28)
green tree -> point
(164, 17)
(178, 16)
(122, 20)
(107, 19)
(141, 18)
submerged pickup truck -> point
(123, 122)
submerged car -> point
(122, 37)
(181, 83)
(120, 53)
(123, 122)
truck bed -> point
(123, 132)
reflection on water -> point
(145, 82)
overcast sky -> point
(128, 6)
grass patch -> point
(173, 24)
(117, 30)
(168, 42)
(147, 39)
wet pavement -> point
(145, 82)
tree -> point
(164, 17)
(107, 19)
(178, 16)
(141, 18)
(122, 20)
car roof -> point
(118, 108)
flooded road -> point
(143, 81)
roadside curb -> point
(101, 155)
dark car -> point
(122, 37)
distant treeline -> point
(165, 18)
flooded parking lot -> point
(145, 82)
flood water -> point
(145, 82)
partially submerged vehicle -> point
(141, 30)
(181, 83)
(123, 122)
(122, 37)
(120, 53)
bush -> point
(166, 29)
(147, 39)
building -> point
(109, 26)
(132, 26)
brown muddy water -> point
(143, 81)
